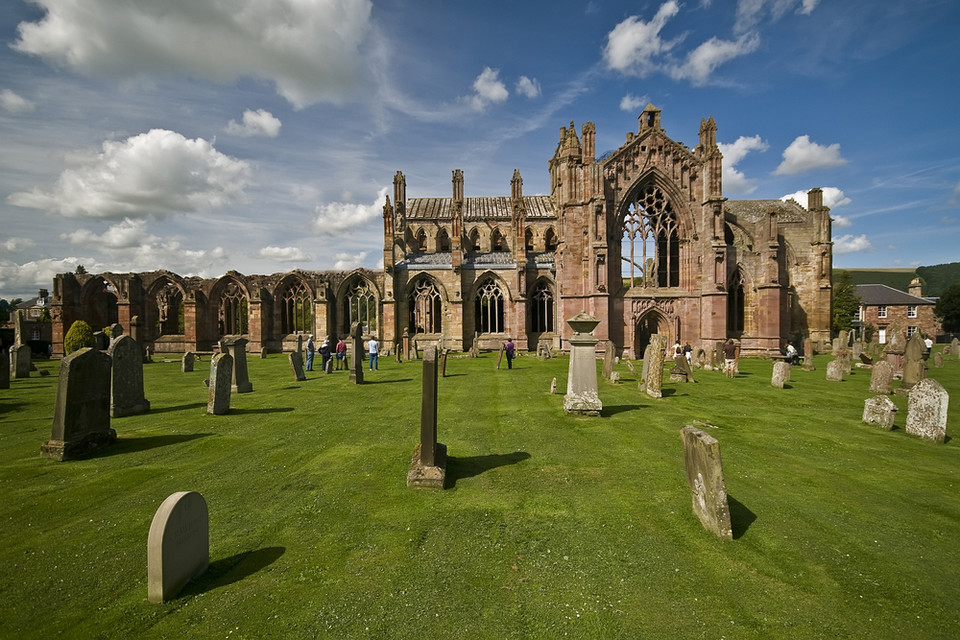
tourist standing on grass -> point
(324, 354)
(341, 354)
(677, 350)
(311, 348)
(688, 352)
(729, 358)
(792, 356)
(509, 350)
(373, 348)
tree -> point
(80, 269)
(948, 309)
(80, 335)
(846, 302)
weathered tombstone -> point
(443, 363)
(895, 348)
(102, 340)
(946, 350)
(631, 367)
(81, 415)
(116, 330)
(263, 356)
(428, 466)
(880, 412)
(126, 378)
(236, 346)
(808, 355)
(914, 367)
(406, 343)
(645, 367)
(681, 371)
(653, 384)
(300, 346)
(718, 359)
(927, 405)
(296, 364)
(135, 328)
(835, 371)
(503, 349)
(845, 357)
(178, 546)
(615, 377)
(4, 370)
(20, 361)
(148, 354)
(865, 359)
(553, 386)
(397, 349)
(704, 469)
(609, 354)
(475, 347)
(781, 374)
(881, 377)
(329, 368)
(221, 375)
(186, 364)
(18, 332)
(356, 368)
(955, 347)
(700, 358)
(582, 397)
(938, 360)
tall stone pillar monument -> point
(582, 395)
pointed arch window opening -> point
(426, 308)
(443, 241)
(489, 307)
(169, 302)
(735, 304)
(475, 240)
(528, 239)
(360, 306)
(550, 240)
(498, 242)
(422, 241)
(296, 308)
(542, 312)
(233, 318)
(650, 242)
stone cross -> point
(356, 368)
(881, 377)
(927, 405)
(126, 379)
(704, 469)
(221, 373)
(429, 462)
(178, 545)
(236, 346)
(880, 412)
(81, 415)
(781, 374)
(582, 397)
(296, 364)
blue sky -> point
(202, 136)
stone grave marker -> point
(609, 354)
(81, 415)
(881, 377)
(927, 404)
(178, 545)
(895, 349)
(879, 411)
(428, 466)
(781, 374)
(704, 470)
(865, 359)
(443, 363)
(263, 355)
(329, 368)
(700, 358)
(582, 397)
(630, 366)
(126, 378)
(808, 364)
(681, 371)
(102, 340)
(955, 347)
(20, 361)
(845, 357)
(503, 349)
(946, 350)
(296, 364)
(221, 374)
(938, 360)
(236, 347)
(857, 349)
(645, 367)
(18, 332)
(186, 364)
(116, 330)
(4, 370)
(835, 371)
(553, 386)
(356, 348)
(914, 367)
(654, 380)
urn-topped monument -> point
(582, 395)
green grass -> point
(555, 525)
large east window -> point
(650, 241)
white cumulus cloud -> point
(17, 244)
(631, 103)
(154, 173)
(255, 123)
(832, 198)
(488, 88)
(346, 261)
(25, 279)
(528, 87)
(282, 254)
(734, 180)
(703, 60)
(128, 233)
(310, 49)
(803, 155)
(15, 103)
(634, 46)
(849, 244)
(339, 216)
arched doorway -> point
(647, 325)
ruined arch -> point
(358, 300)
(473, 240)
(528, 239)
(498, 242)
(98, 302)
(293, 305)
(550, 241)
(490, 295)
(426, 303)
(163, 307)
(542, 302)
(233, 306)
(645, 325)
(420, 240)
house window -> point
(882, 311)
(912, 311)
(911, 331)
(856, 314)
(882, 336)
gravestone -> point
(582, 397)
(630, 366)
(148, 354)
(503, 349)
(845, 357)
(443, 363)
(428, 466)
(236, 347)
(808, 355)
(615, 377)
(81, 415)
(704, 470)
(927, 405)
(126, 378)
(102, 340)
(4, 370)
(645, 367)
(356, 347)
(263, 356)
(914, 367)
(938, 360)
(221, 375)
(955, 347)
(865, 359)
(18, 332)
(700, 358)
(178, 546)
(879, 411)
(553, 386)
(718, 359)
(895, 348)
(653, 384)
(329, 368)
(781, 374)
(186, 364)
(300, 346)
(857, 349)
(296, 364)
(20, 361)
(681, 371)
(946, 350)
(835, 371)
(116, 330)
(135, 328)
(609, 354)
(881, 377)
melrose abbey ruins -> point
(642, 239)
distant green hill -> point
(939, 277)
(936, 278)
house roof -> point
(881, 294)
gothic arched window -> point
(735, 304)
(650, 242)
(169, 310)
(498, 242)
(443, 240)
(550, 240)
(488, 306)
(232, 315)
(295, 309)
(541, 316)
(474, 238)
(426, 307)
(421, 241)
(528, 239)
(359, 305)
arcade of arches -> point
(642, 239)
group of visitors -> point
(685, 351)
(338, 352)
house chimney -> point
(916, 288)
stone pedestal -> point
(236, 347)
(428, 467)
(582, 397)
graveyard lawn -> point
(551, 525)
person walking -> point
(324, 355)
(509, 351)
(373, 348)
(341, 354)
(729, 358)
(311, 348)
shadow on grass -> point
(740, 517)
(365, 381)
(132, 445)
(233, 569)
(459, 468)
(236, 411)
(454, 375)
(179, 407)
(612, 410)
